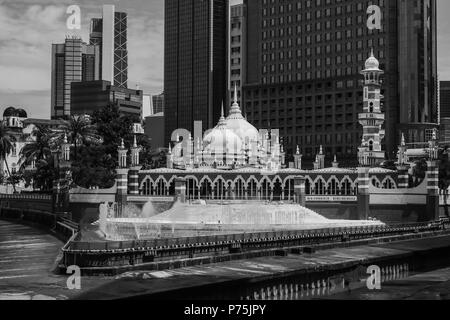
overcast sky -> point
(29, 27)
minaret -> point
(321, 158)
(133, 174)
(122, 180)
(372, 118)
(298, 159)
(169, 158)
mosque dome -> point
(21, 113)
(222, 141)
(9, 112)
(241, 127)
(372, 64)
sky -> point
(29, 27)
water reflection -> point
(305, 289)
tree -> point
(113, 127)
(95, 168)
(444, 176)
(37, 150)
(43, 176)
(6, 146)
(79, 131)
(419, 172)
(98, 162)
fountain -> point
(200, 218)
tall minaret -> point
(372, 118)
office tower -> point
(110, 33)
(154, 129)
(90, 96)
(147, 106)
(195, 64)
(236, 50)
(302, 71)
(72, 61)
(158, 103)
(444, 97)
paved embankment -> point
(27, 257)
(236, 278)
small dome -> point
(21, 113)
(222, 141)
(372, 63)
(9, 112)
(241, 127)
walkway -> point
(27, 257)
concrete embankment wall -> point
(385, 213)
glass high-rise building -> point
(110, 34)
(195, 64)
(303, 62)
(236, 50)
(158, 103)
(72, 61)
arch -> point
(252, 186)
(239, 188)
(347, 186)
(309, 186)
(319, 186)
(161, 186)
(333, 186)
(205, 188)
(192, 187)
(388, 183)
(288, 188)
(146, 186)
(375, 182)
(287, 179)
(266, 188)
(277, 178)
(219, 188)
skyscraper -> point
(110, 33)
(72, 61)
(302, 70)
(195, 74)
(158, 103)
(236, 50)
(91, 96)
(445, 111)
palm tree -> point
(39, 149)
(6, 147)
(79, 131)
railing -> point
(64, 228)
(25, 196)
(158, 244)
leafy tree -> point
(97, 163)
(37, 150)
(95, 168)
(79, 131)
(419, 172)
(43, 176)
(444, 176)
(444, 169)
(6, 146)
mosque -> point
(236, 161)
(234, 143)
